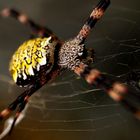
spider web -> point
(68, 108)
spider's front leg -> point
(37, 29)
(95, 15)
(73, 51)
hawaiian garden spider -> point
(38, 61)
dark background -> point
(68, 108)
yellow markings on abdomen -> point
(30, 56)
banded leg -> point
(19, 110)
(69, 58)
(96, 14)
(19, 104)
(22, 18)
(22, 99)
(117, 91)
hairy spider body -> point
(26, 62)
(29, 57)
(40, 60)
(70, 53)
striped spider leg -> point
(21, 101)
(42, 77)
(47, 56)
(116, 90)
(22, 18)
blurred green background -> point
(68, 108)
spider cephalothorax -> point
(29, 57)
(70, 53)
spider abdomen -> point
(30, 57)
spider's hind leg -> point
(18, 104)
(119, 92)
(20, 109)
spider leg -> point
(20, 109)
(20, 102)
(95, 15)
(22, 18)
(116, 90)
(22, 99)
(12, 106)
(15, 103)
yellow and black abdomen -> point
(29, 57)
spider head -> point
(30, 57)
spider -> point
(39, 60)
